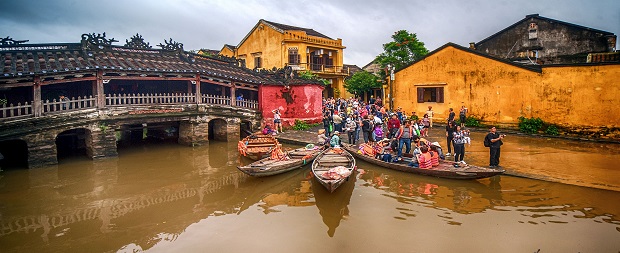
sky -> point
(363, 25)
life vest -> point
(424, 160)
(367, 150)
(435, 158)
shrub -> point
(302, 125)
(531, 125)
(472, 122)
(552, 130)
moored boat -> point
(333, 167)
(274, 165)
(257, 146)
(445, 169)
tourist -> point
(422, 128)
(358, 126)
(425, 158)
(335, 140)
(463, 116)
(350, 129)
(322, 138)
(327, 121)
(378, 132)
(367, 129)
(268, 130)
(494, 141)
(459, 144)
(427, 124)
(277, 120)
(64, 100)
(430, 115)
(240, 97)
(337, 119)
(393, 125)
(451, 115)
(450, 129)
(404, 135)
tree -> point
(405, 49)
(361, 81)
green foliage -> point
(308, 75)
(552, 130)
(302, 125)
(405, 49)
(472, 122)
(103, 126)
(361, 82)
(531, 125)
(414, 117)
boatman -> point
(493, 140)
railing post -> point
(233, 96)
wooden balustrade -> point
(72, 104)
(16, 111)
(48, 107)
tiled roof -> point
(44, 59)
(308, 31)
(536, 16)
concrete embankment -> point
(568, 161)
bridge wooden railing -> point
(48, 107)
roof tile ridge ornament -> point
(171, 45)
(96, 42)
(137, 42)
(11, 42)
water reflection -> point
(154, 194)
(333, 207)
(499, 193)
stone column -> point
(101, 142)
(232, 129)
(42, 149)
(193, 132)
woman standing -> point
(277, 120)
(427, 124)
(450, 129)
(462, 116)
(459, 144)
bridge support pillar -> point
(233, 129)
(193, 132)
(101, 142)
(42, 150)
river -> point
(171, 198)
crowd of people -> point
(386, 133)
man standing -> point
(494, 141)
(393, 125)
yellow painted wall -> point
(227, 52)
(273, 47)
(498, 92)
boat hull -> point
(322, 163)
(445, 169)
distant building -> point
(271, 45)
(540, 40)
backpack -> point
(379, 132)
(487, 142)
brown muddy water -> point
(171, 198)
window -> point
(293, 56)
(533, 31)
(430, 94)
(257, 62)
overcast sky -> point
(363, 25)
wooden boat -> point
(329, 162)
(257, 146)
(269, 166)
(446, 169)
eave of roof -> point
(541, 18)
(534, 68)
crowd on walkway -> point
(386, 133)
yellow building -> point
(270, 45)
(580, 97)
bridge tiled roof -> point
(22, 60)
